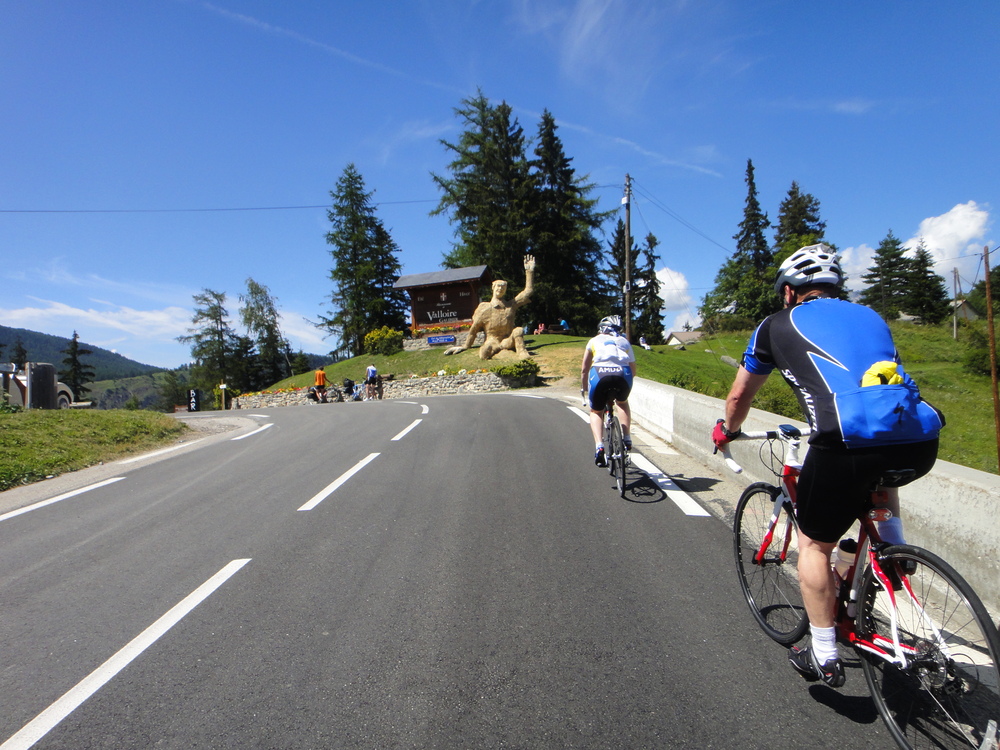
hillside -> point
(43, 347)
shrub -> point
(522, 368)
(384, 340)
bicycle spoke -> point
(770, 585)
(940, 688)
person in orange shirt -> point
(319, 383)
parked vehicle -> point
(36, 387)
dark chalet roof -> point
(448, 276)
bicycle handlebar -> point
(759, 435)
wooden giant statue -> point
(496, 319)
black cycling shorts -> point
(835, 484)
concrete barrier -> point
(954, 511)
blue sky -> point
(152, 149)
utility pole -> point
(954, 303)
(627, 202)
(993, 349)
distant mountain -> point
(42, 347)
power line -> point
(182, 210)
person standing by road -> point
(371, 374)
(320, 383)
(866, 417)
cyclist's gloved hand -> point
(721, 436)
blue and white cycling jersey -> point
(823, 348)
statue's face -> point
(499, 289)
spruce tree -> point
(648, 302)
(488, 195)
(365, 267)
(76, 373)
(19, 355)
(798, 222)
(563, 225)
(887, 279)
(743, 293)
(618, 257)
(927, 297)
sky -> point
(150, 150)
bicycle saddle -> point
(897, 477)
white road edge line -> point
(259, 429)
(680, 498)
(401, 435)
(424, 409)
(159, 452)
(330, 488)
(42, 724)
(57, 498)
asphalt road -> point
(452, 572)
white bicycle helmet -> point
(812, 264)
(611, 325)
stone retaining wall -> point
(478, 382)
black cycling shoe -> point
(599, 458)
(804, 662)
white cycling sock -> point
(600, 446)
(824, 643)
(891, 531)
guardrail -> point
(954, 511)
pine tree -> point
(76, 373)
(743, 293)
(365, 267)
(488, 196)
(259, 313)
(887, 279)
(648, 302)
(927, 297)
(563, 225)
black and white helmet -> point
(611, 325)
(812, 264)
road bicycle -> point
(927, 646)
(615, 451)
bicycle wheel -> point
(948, 693)
(616, 459)
(770, 585)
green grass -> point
(36, 444)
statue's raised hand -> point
(529, 262)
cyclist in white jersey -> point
(608, 362)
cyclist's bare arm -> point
(741, 395)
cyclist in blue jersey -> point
(866, 417)
(608, 362)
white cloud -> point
(955, 239)
(674, 290)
